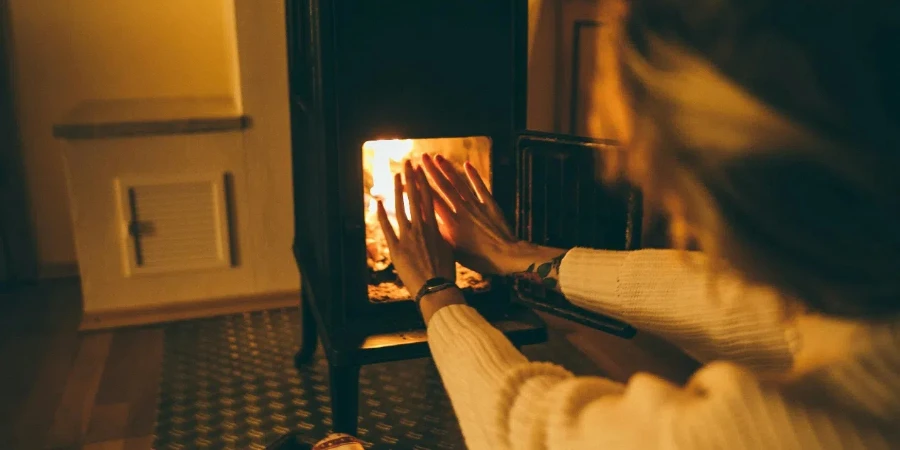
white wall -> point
(552, 60)
(542, 68)
(262, 46)
(67, 51)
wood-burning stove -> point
(374, 82)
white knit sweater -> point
(844, 391)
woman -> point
(767, 132)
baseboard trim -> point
(54, 271)
(146, 315)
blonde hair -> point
(757, 190)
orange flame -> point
(384, 153)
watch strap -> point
(431, 286)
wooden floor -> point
(61, 389)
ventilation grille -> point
(175, 225)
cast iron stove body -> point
(405, 72)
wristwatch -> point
(431, 286)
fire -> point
(382, 160)
(387, 157)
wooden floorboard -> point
(142, 415)
(73, 414)
(131, 378)
(65, 390)
(39, 341)
(109, 421)
(20, 367)
(36, 415)
(141, 443)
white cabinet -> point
(160, 207)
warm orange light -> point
(385, 154)
(383, 158)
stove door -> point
(562, 204)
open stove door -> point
(562, 204)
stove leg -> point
(309, 333)
(344, 398)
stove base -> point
(347, 352)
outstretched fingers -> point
(389, 234)
(441, 207)
(477, 183)
(399, 206)
(442, 183)
(460, 185)
(413, 194)
(487, 199)
(425, 196)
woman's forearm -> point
(674, 294)
(431, 303)
(661, 292)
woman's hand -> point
(471, 220)
(417, 249)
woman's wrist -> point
(432, 303)
(522, 254)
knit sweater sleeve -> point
(504, 402)
(670, 294)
